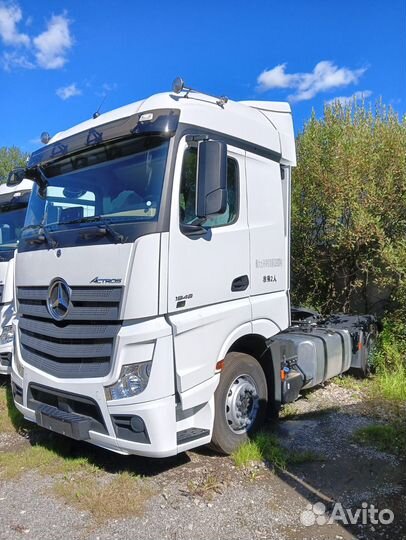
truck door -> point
(208, 277)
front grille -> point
(82, 344)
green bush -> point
(389, 361)
(9, 159)
(349, 211)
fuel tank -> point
(317, 353)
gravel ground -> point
(199, 495)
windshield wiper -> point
(103, 227)
(43, 235)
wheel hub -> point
(242, 404)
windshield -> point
(119, 181)
(12, 217)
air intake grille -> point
(80, 346)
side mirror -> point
(211, 179)
(16, 176)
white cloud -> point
(66, 92)
(325, 76)
(14, 59)
(347, 100)
(53, 44)
(10, 16)
(276, 78)
(47, 50)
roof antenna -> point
(97, 113)
(179, 84)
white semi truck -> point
(13, 206)
(152, 278)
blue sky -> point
(58, 59)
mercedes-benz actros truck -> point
(13, 206)
(152, 278)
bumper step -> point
(66, 423)
(191, 434)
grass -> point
(288, 411)
(390, 383)
(385, 437)
(389, 361)
(387, 383)
(350, 382)
(266, 447)
(11, 420)
(125, 495)
(43, 459)
(263, 447)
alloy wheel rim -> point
(242, 404)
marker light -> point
(146, 117)
(178, 85)
(45, 137)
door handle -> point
(240, 284)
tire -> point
(242, 378)
(365, 370)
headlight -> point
(7, 335)
(132, 381)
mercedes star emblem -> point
(59, 299)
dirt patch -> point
(117, 497)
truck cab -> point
(13, 206)
(153, 269)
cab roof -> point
(259, 123)
(25, 185)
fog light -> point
(7, 335)
(137, 424)
(132, 381)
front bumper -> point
(45, 400)
(158, 416)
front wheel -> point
(240, 402)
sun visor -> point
(157, 122)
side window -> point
(187, 200)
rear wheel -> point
(366, 358)
(240, 402)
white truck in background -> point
(152, 278)
(13, 206)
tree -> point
(9, 159)
(349, 211)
